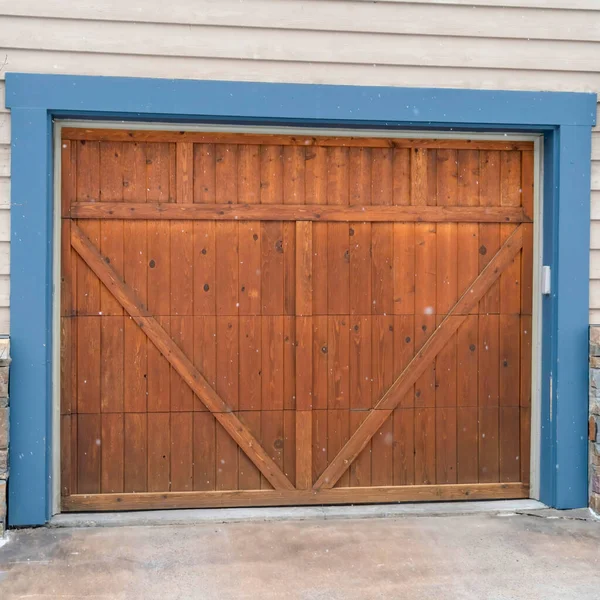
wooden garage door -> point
(264, 320)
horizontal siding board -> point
(595, 205)
(594, 294)
(4, 128)
(596, 144)
(595, 235)
(71, 63)
(596, 175)
(4, 160)
(4, 225)
(4, 192)
(4, 291)
(4, 258)
(4, 321)
(151, 39)
(594, 264)
(330, 15)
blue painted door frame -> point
(565, 119)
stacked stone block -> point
(4, 428)
(594, 423)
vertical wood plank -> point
(509, 443)
(338, 237)
(250, 363)
(489, 360)
(304, 255)
(249, 231)
(111, 364)
(382, 356)
(404, 446)
(289, 363)
(404, 236)
(290, 445)
(382, 234)
(227, 387)
(68, 463)
(320, 362)
(468, 233)
(467, 445)
(111, 231)
(135, 453)
(272, 363)
(112, 453)
(204, 173)
(489, 233)
(316, 193)
(527, 175)
(359, 181)
(338, 356)
(226, 271)
(88, 364)
(89, 436)
(510, 328)
(511, 192)
(304, 449)
(319, 437)
(425, 446)
(488, 445)
(446, 235)
(272, 239)
(227, 232)
(204, 451)
(181, 451)
(144, 171)
(159, 452)
(467, 369)
(446, 445)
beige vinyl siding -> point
(478, 44)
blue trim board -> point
(565, 119)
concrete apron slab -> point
(492, 556)
(295, 513)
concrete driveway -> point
(477, 556)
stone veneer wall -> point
(4, 414)
(594, 424)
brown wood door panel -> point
(274, 320)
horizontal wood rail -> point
(298, 212)
(216, 137)
(349, 495)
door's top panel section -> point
(138, 167)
